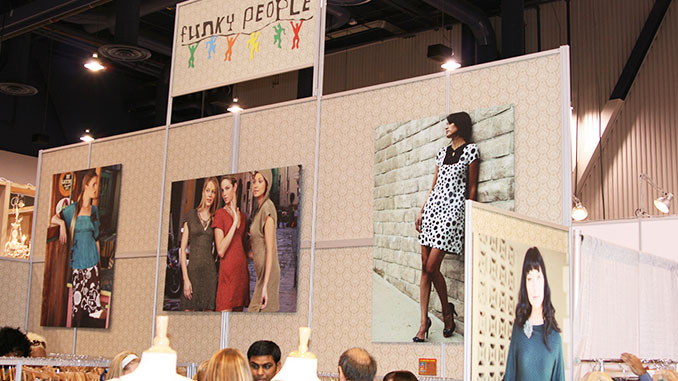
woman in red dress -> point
(233, 288)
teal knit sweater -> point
(528, 358)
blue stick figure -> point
(211, 45)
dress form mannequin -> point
(300, 365)
(158, 362)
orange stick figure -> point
(229, 51)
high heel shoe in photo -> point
(417, 339)
(448, 332)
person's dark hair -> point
(534, 261)
(264, 348)
(463, 122)
(13, 342)
(400, 375)
(358, 365)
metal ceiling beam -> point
(40, 13)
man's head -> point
(14, 343)
(264, 359)
(357, 365)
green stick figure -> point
(278, 29)
(191, 61)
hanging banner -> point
(219, 42)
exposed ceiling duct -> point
(476, 20)
(125, 48)
(347, 3)
(14, 68)
(336, 17)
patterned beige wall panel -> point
(283, 328)
(59, 340)
(342, 300)
(533, 87)
(141, 157)
(52, 163)
(454, 361)
(131, 313)
(195, 150)
(13, 298)
(346, 177)
(280, 137)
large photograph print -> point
(424, 170)
(80, 252)
(233, 242)
(521, 306)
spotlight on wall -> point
(662, 203)
(579, 212)
(87, 137)
(234, 107)
(94, 64)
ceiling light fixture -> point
(451, 64)
(234, 107)
(87, 137)
(94, 64)
(579, 212)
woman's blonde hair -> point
(228, 364)
(213, 207)
(115, 369)
(200, 372)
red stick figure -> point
(296, 28)
(230, 41)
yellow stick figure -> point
(253, 44)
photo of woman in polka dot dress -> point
(440, 221)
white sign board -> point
(221, 42)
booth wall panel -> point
(59, 340)
(246, 328)
(280, 137)
(141, 157)
(642, 138)
(346, 177)
(13, 298)
(534, 87)
(195, 150)
(454, 361)
(131, 314)
(342, 312)
(387, 61)
(53, 162)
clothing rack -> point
(60, 360)
(602, 361)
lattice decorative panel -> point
(494, 302)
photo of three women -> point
(235, 221)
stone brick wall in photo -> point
(404, 163)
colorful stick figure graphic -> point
(211, 44)
(191, 61)
(296, 28)
(253, 44)
(278, 29)
(229, 51)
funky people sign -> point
(220, 42)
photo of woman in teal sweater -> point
(536, 350)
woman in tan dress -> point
(264, 248)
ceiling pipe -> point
(476, 20)
(100, 19)
(336, 17)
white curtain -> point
(627, 302)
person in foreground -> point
(536, 350)
(636, 366)
(123, 363)
(400, 375)
(228, 364)
(356, 364)
(264, 359)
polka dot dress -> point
(442, 225)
